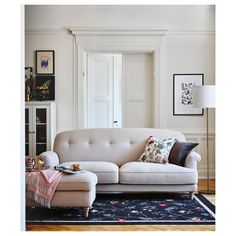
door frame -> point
(119, 41)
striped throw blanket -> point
(41, 185)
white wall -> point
(61, 42)
(189, 54)
(190, 48)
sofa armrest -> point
(192, 159)
(50, 158)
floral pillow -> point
(157, 151)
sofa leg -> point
(191, 195)
(86, 211)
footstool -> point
(76, 190)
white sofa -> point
(112, 154)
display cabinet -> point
(40, 127)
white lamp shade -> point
(204, 96)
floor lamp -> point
(204, 97)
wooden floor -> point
(201, 186)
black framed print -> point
(45, 62)
(45, 88)
(182, 94)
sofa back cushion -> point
(117, 145)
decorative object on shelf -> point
(29, 163)
(39, 163)
(204, 97)
(45, 88)
(38, 119)
(45, 62)
(29, 83)
(182, 94)
(28, 73)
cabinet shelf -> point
(40, 123)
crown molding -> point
(191, 33)
(47, 31)
(114, 31)
(117, 31)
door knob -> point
(115, 121)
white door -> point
(103, 94)
(138, 87)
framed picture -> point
(44, 88)
(45, 62)
(182, 94)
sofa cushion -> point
(84, 181)
(107, 172)
(157, 151)
(179, 152)
(153, 173)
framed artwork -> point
(182, 94)
(45, 88)
(45, 62)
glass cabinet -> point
(40, 127)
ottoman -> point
(76, 190)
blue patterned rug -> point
(130, 209)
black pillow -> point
(179, 152)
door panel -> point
(102, 74)
(100, 91)
(138, 84)
(101, 109)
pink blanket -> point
(41, 185)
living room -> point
(152, 48)
(13, 103)
(195, 47)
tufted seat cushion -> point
(153, 173)
(107, 172)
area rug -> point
(127, 209)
